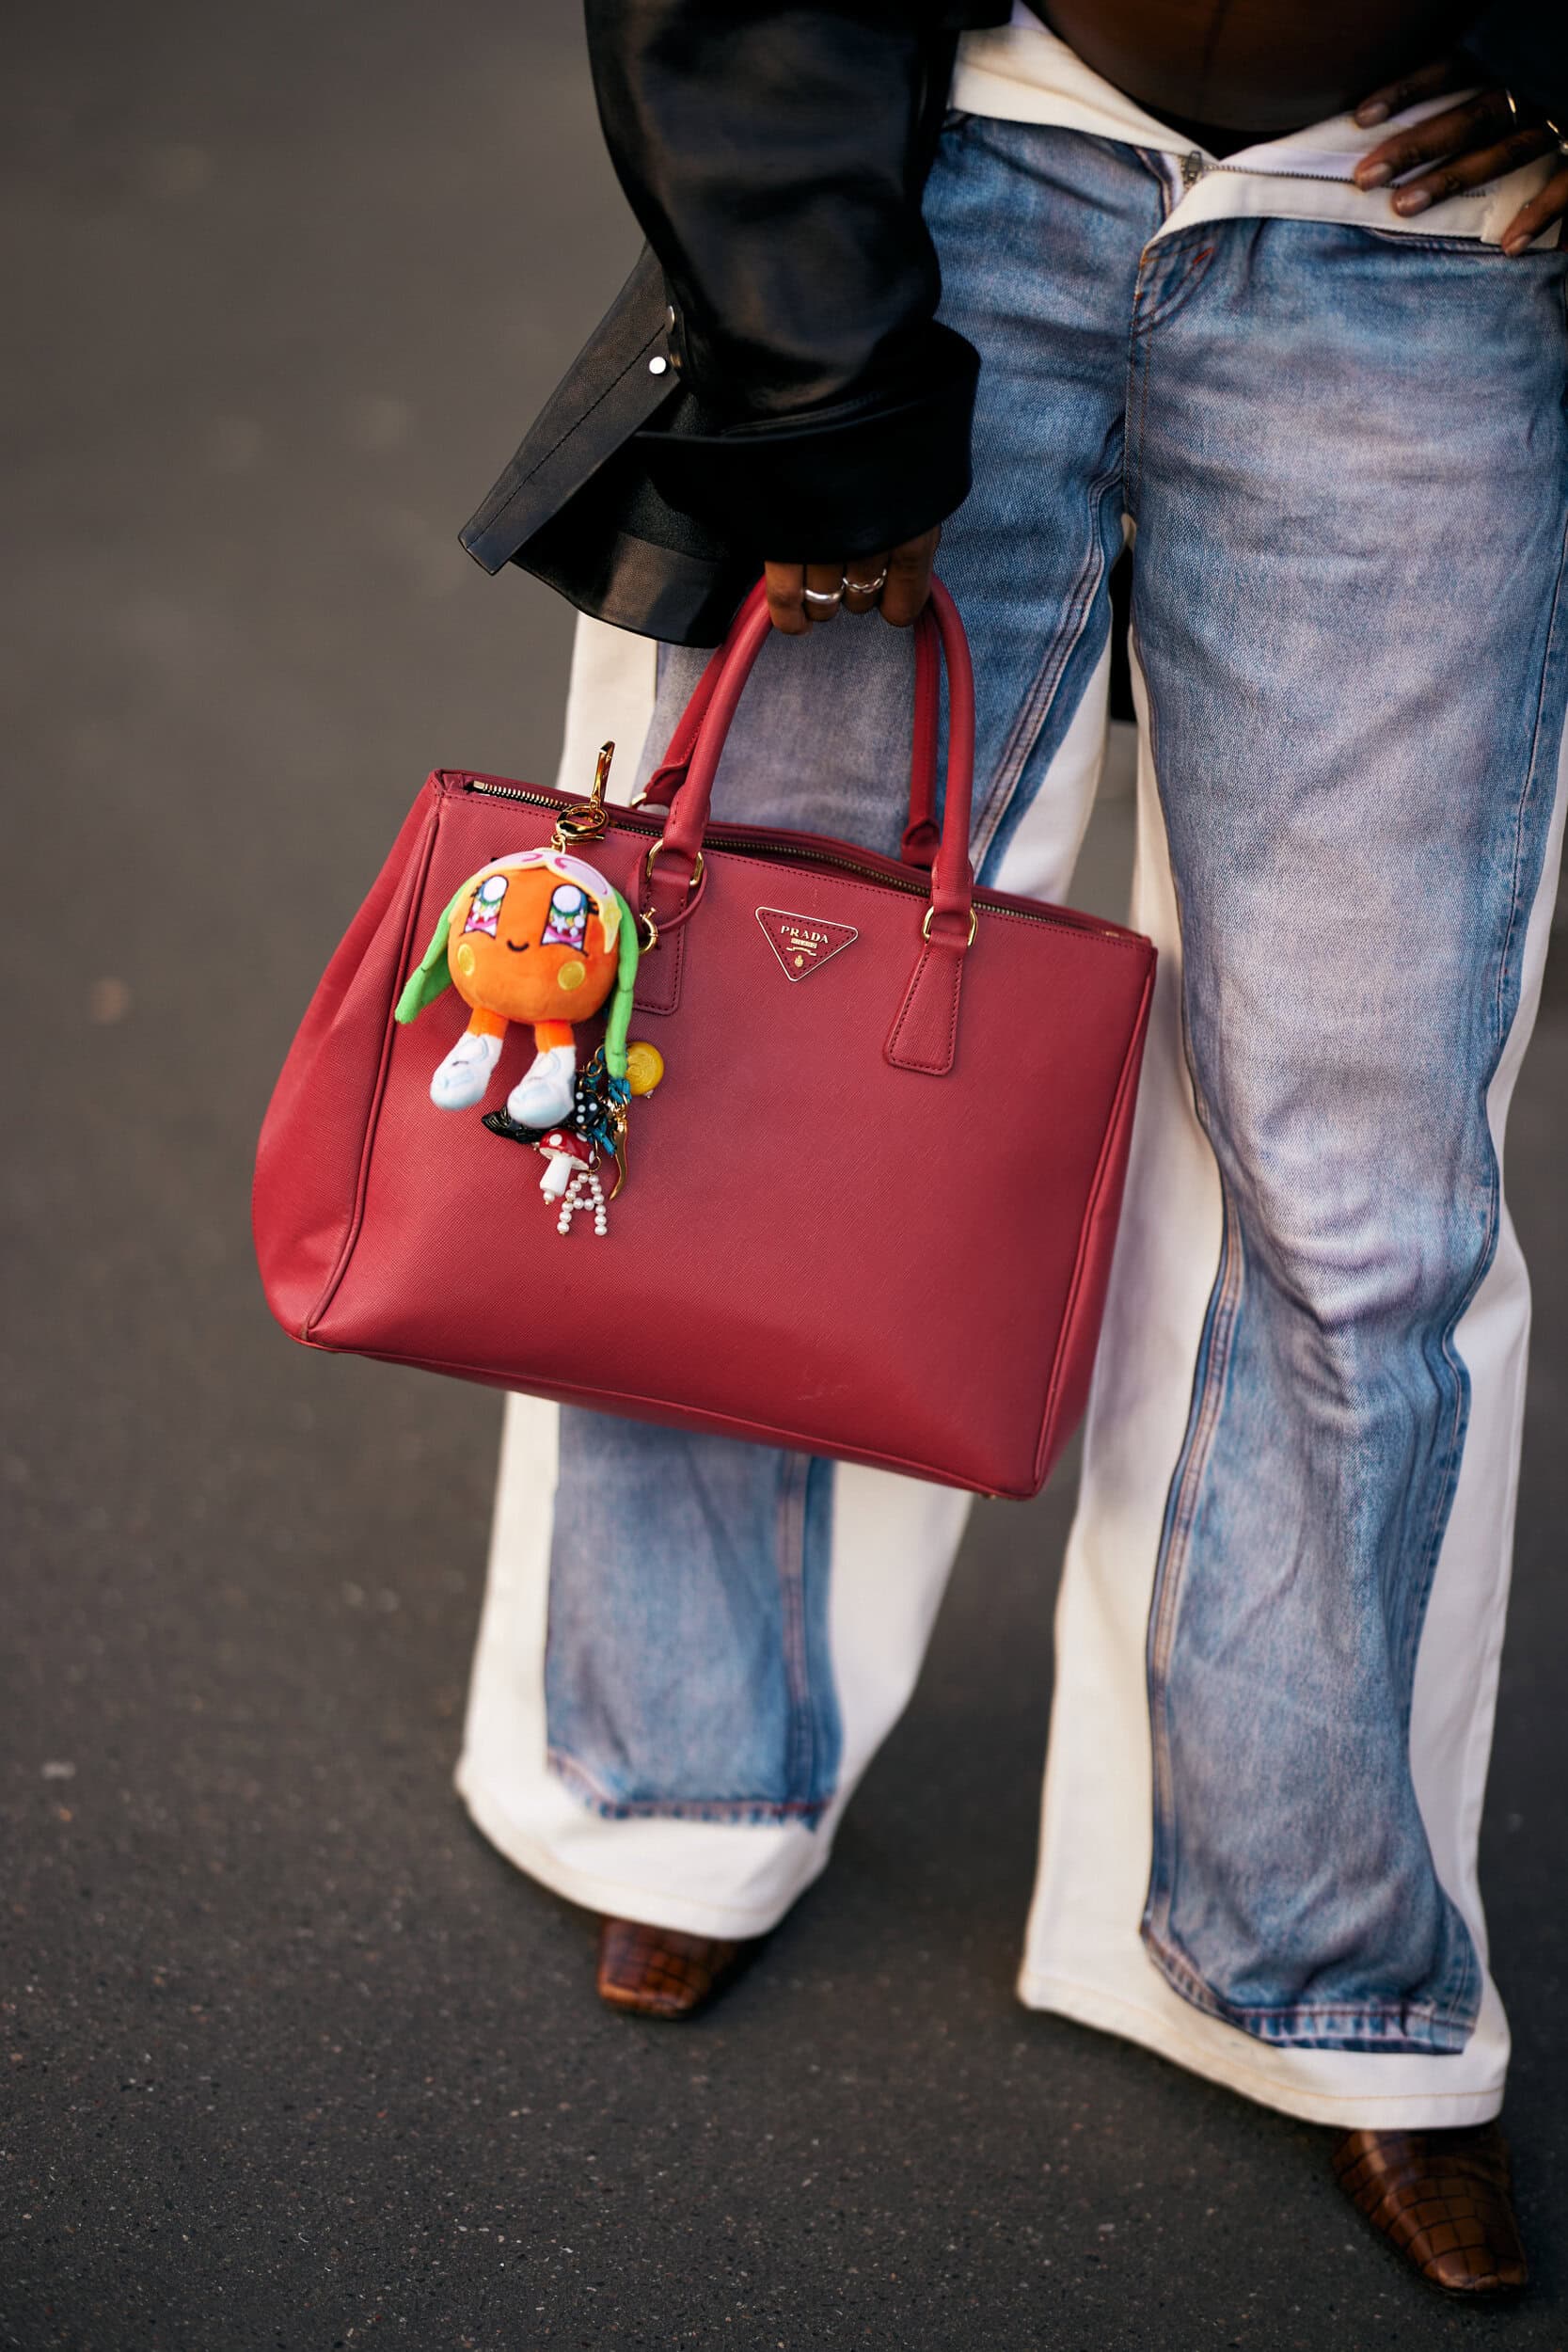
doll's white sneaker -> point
(546, 1093)
(460, 1081)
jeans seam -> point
(799, 1753)
(1297, 2019)
(1040, 701)
(587, 1788)
(1209, 1374)
(1138, 377)
(1210, 1379)
(1138, 349)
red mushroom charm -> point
(570, 1177)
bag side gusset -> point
(306, 1194)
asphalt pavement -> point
(291, 2058)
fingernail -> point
(1371, 110)
(1373, 175)
(1515, 245)
(1411, 200)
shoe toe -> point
(1477, 2269)
(660, 1972)
(1444, 2199)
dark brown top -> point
(1256, 67)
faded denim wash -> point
(706, 1563)
(1343, 452)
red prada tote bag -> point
(868, 1210)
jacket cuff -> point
(850, 479)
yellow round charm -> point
(571, 975)
(645, 1067)
(464, 960)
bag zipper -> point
(780, 849)
(769, 846)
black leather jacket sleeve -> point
(1526, 50)
(774, 152)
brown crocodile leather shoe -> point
(1444, 2199)
(659, 1972)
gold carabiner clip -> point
(575, 825)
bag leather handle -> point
(948, 919)
(921, 832)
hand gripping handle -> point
(675, 857)
(921, 832)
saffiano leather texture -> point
(869, 1214)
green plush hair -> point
(620, 1004)
(431, 973)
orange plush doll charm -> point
(540, 937)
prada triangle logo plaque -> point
(803, 943)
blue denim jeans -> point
(715, 1695)
(1344, 457)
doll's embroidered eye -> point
(567, 921)
(485, 910)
